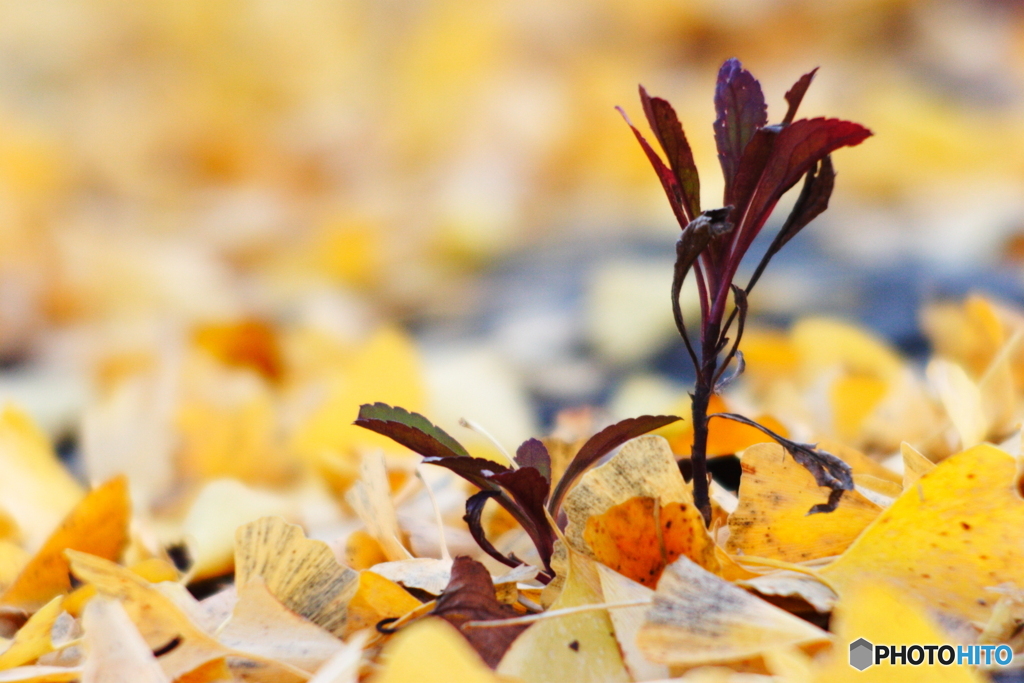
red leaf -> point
(741, 111)
(599, 445)
(665, 124)
(529, 489)
(533, 453)
(665, 174)
(796, 94)
(470, 596)
(412, 430)
(797, 148)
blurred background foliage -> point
(437, 198)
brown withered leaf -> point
(469, 597)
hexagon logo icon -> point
(862, 654)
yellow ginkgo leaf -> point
(377, 598)
(577, 647)
(962, 400)
(639, 537)
(36, 491)
(32, 640)
(699, 618)
(432, 651)
(776, 493)
(823, 344)
(302, 573)
(956, 532)
(153, 570)
(41, 674)
(905, 623)
(98, 525)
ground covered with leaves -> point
(342, 556)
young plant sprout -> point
(760, 163)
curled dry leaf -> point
(789, 584)
(302, 573)
(98, 525)
(771, 519)
(915, 465)
(575, 647)
(117, 653)
(470, 596)
(955, 533)
(425, 573)
(698, 618)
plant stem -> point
(699, 411)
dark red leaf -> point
(796, 94)
(812, 202)
(470, 596)
(798, 147)
(665, 174)
(412, 430)
(474, 511)
(741, 110)
(477, 471)
(601, 444)
(665, 124)
(533, 453)
(529, 489)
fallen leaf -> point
(962, 400)
(953, 534)
(627, 621)
(41, 674)
(251, 344)
(470, 596)
(771, 519)
(574, 647)
(302, 573)
(790, 584)
(344, 666)
(32, 640)
(370, 497)
(639, 537)
(425, 573)
(905, 622)
(117, 653)
(406, 656)
(98, 525)
(261, 625)
(377, 598)
(220, 508)
(915, 465)
(36, 490)
(698, 618)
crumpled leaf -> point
(698, 618)
(948, 538)
(425, 573)
(793, 585)
(574, 647)
(97, 525)
(470, 596)
(117, 653)
(302, 573)
(772, 518)
(432, 640)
